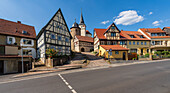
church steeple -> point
(81, 18)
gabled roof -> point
(111, 26)
(16, 28)
(42, 30)
(135, 33)
(100, 34)
(113, 47)
(153, 30)
(84, 38)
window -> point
(24, 32)
(152, 34)
(113, 34)
(153, 43)
(59, 37)
(2, 50)
(147, 50)
(145, 43)
(141, 36)
(129, 42)
(27, 52)
(137, 43)
(132, 36)
(52, 36)
(114, 43)
(116, 52)
(112, 27)
(141, 43)
(52, 47)
(10, 40)
(66, 39)
(133, 42)
(27, 41)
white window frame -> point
(22, 43)
(13, 39)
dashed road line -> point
(68, 85)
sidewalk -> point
(95, 61)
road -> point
(138, 78)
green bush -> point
(147, 55)
(51, 53)
(165, 52)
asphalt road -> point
(139, 78)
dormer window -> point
(24, 32)
(141, 36)
(113, 34)
(132, 36)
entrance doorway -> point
(124, 56)
(141, 51)
(1, 66)
(82, 49)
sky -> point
(128, 15)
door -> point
(141, 51)
(1, 66)
(82, 49)
(124, 56)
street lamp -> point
(22, 57)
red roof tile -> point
(113, 47)
(135, 33)
(153, 30)
(160, 36)
(16, 28)
(84, 38)
(100, 32)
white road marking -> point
(78, 70)
(68, 85)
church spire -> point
(81, 18)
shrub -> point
(51, 53)
(165, 52)
(147, 55)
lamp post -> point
(22, 58)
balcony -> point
(8, 50)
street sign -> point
(110, 49)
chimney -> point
(19, 22)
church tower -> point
(75, 30)
(82, 25)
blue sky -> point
(129, 15)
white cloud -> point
(157, 23)
(128, 18)
(105, 22)
(150, 13)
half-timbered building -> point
(54, 35)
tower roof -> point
(75, 25)
(81, 18)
